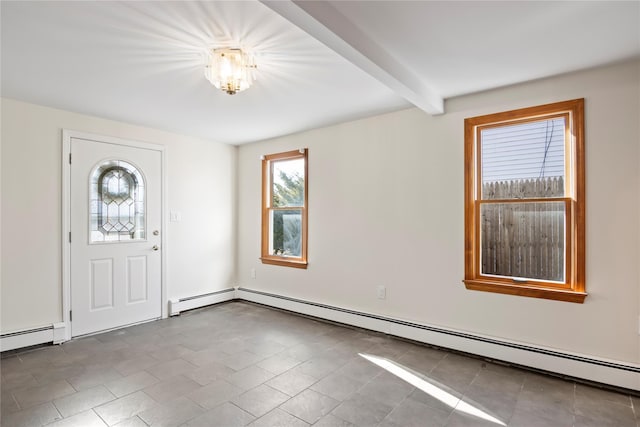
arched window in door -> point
(117, 203)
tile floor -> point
(239, 364)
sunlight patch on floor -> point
(432, 388)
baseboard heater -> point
(177, 306)
(600, 370)
(29, 337)
(610, 372)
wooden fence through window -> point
(523, 239)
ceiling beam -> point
(323, 22)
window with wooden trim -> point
(524, 202)
(284, 209)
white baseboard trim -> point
(176, 306)
(611, 372)
(25, 338)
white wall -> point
(386, 208)
(201, 177)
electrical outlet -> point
(382, 292)
(253, 273)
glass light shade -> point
(230, 69)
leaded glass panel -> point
(116, 203)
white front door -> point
(115, 205)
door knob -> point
(155, 247)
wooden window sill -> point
(285, 262)
(526, 290)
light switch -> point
(175, 217)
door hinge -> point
(70, 316)
(69, 237)
(69, 158)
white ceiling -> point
(318, 62)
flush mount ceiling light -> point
(230, 69)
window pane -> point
(524, 160)
(524, 188)
(285, 231)
(116, 208)
(523, 240)
(288, 183)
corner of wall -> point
(235, 210)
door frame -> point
(67, 135)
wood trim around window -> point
(573, 289)
(266, 258)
